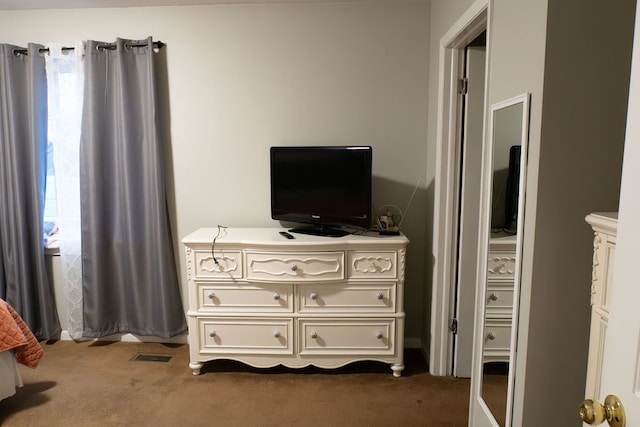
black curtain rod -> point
(108, 46)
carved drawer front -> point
(246, 335)
(295, 267)
(346, 336)
(229, 264)
(366, 265)
(497, 339)
(245, 298)
(499, 301)
(324, 297)
(501, 265)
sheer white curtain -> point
(65, 79)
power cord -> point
(213, 244)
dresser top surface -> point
(604, 222)
(272, 237)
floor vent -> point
(141, 357)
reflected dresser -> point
(499, 297)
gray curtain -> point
(130, 281)
(23, 146)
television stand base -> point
(320, 231)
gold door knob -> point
(593, 412)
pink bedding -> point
(16, 335)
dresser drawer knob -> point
(380, 296)
(276, 296)
(294, 267)
(491, 336)
(379, 335)
(314, 334)
(276, 334)
(313, 296)
(212, 295)
(212, 334)
(493, 297)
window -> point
(50, 202)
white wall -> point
(578, 160)
(245, 77)
(518, 40)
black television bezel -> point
(323, 223)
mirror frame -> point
(479, 410)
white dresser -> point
(499, 297)
(264, 300)
(605, 226)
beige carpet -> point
(98, 384)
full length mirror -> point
(508, 136)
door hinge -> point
(453, 325)
(463, 86)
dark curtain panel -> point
(130, 281)
(23, 148)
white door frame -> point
(471, 24)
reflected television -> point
(513, 188)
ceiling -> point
(80, 4)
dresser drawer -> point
(366, 265)
(295, 267)
(245, 298)
(229, 264)
(497, 335)
(346, 336)
(333, 298)
(499, 300)
(245, 335)
(502, 265)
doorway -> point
(471, 130)
(450, 232)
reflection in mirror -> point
(508, 137)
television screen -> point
(326, 187)
(513, 187)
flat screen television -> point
(326, 188)
(513, 188)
